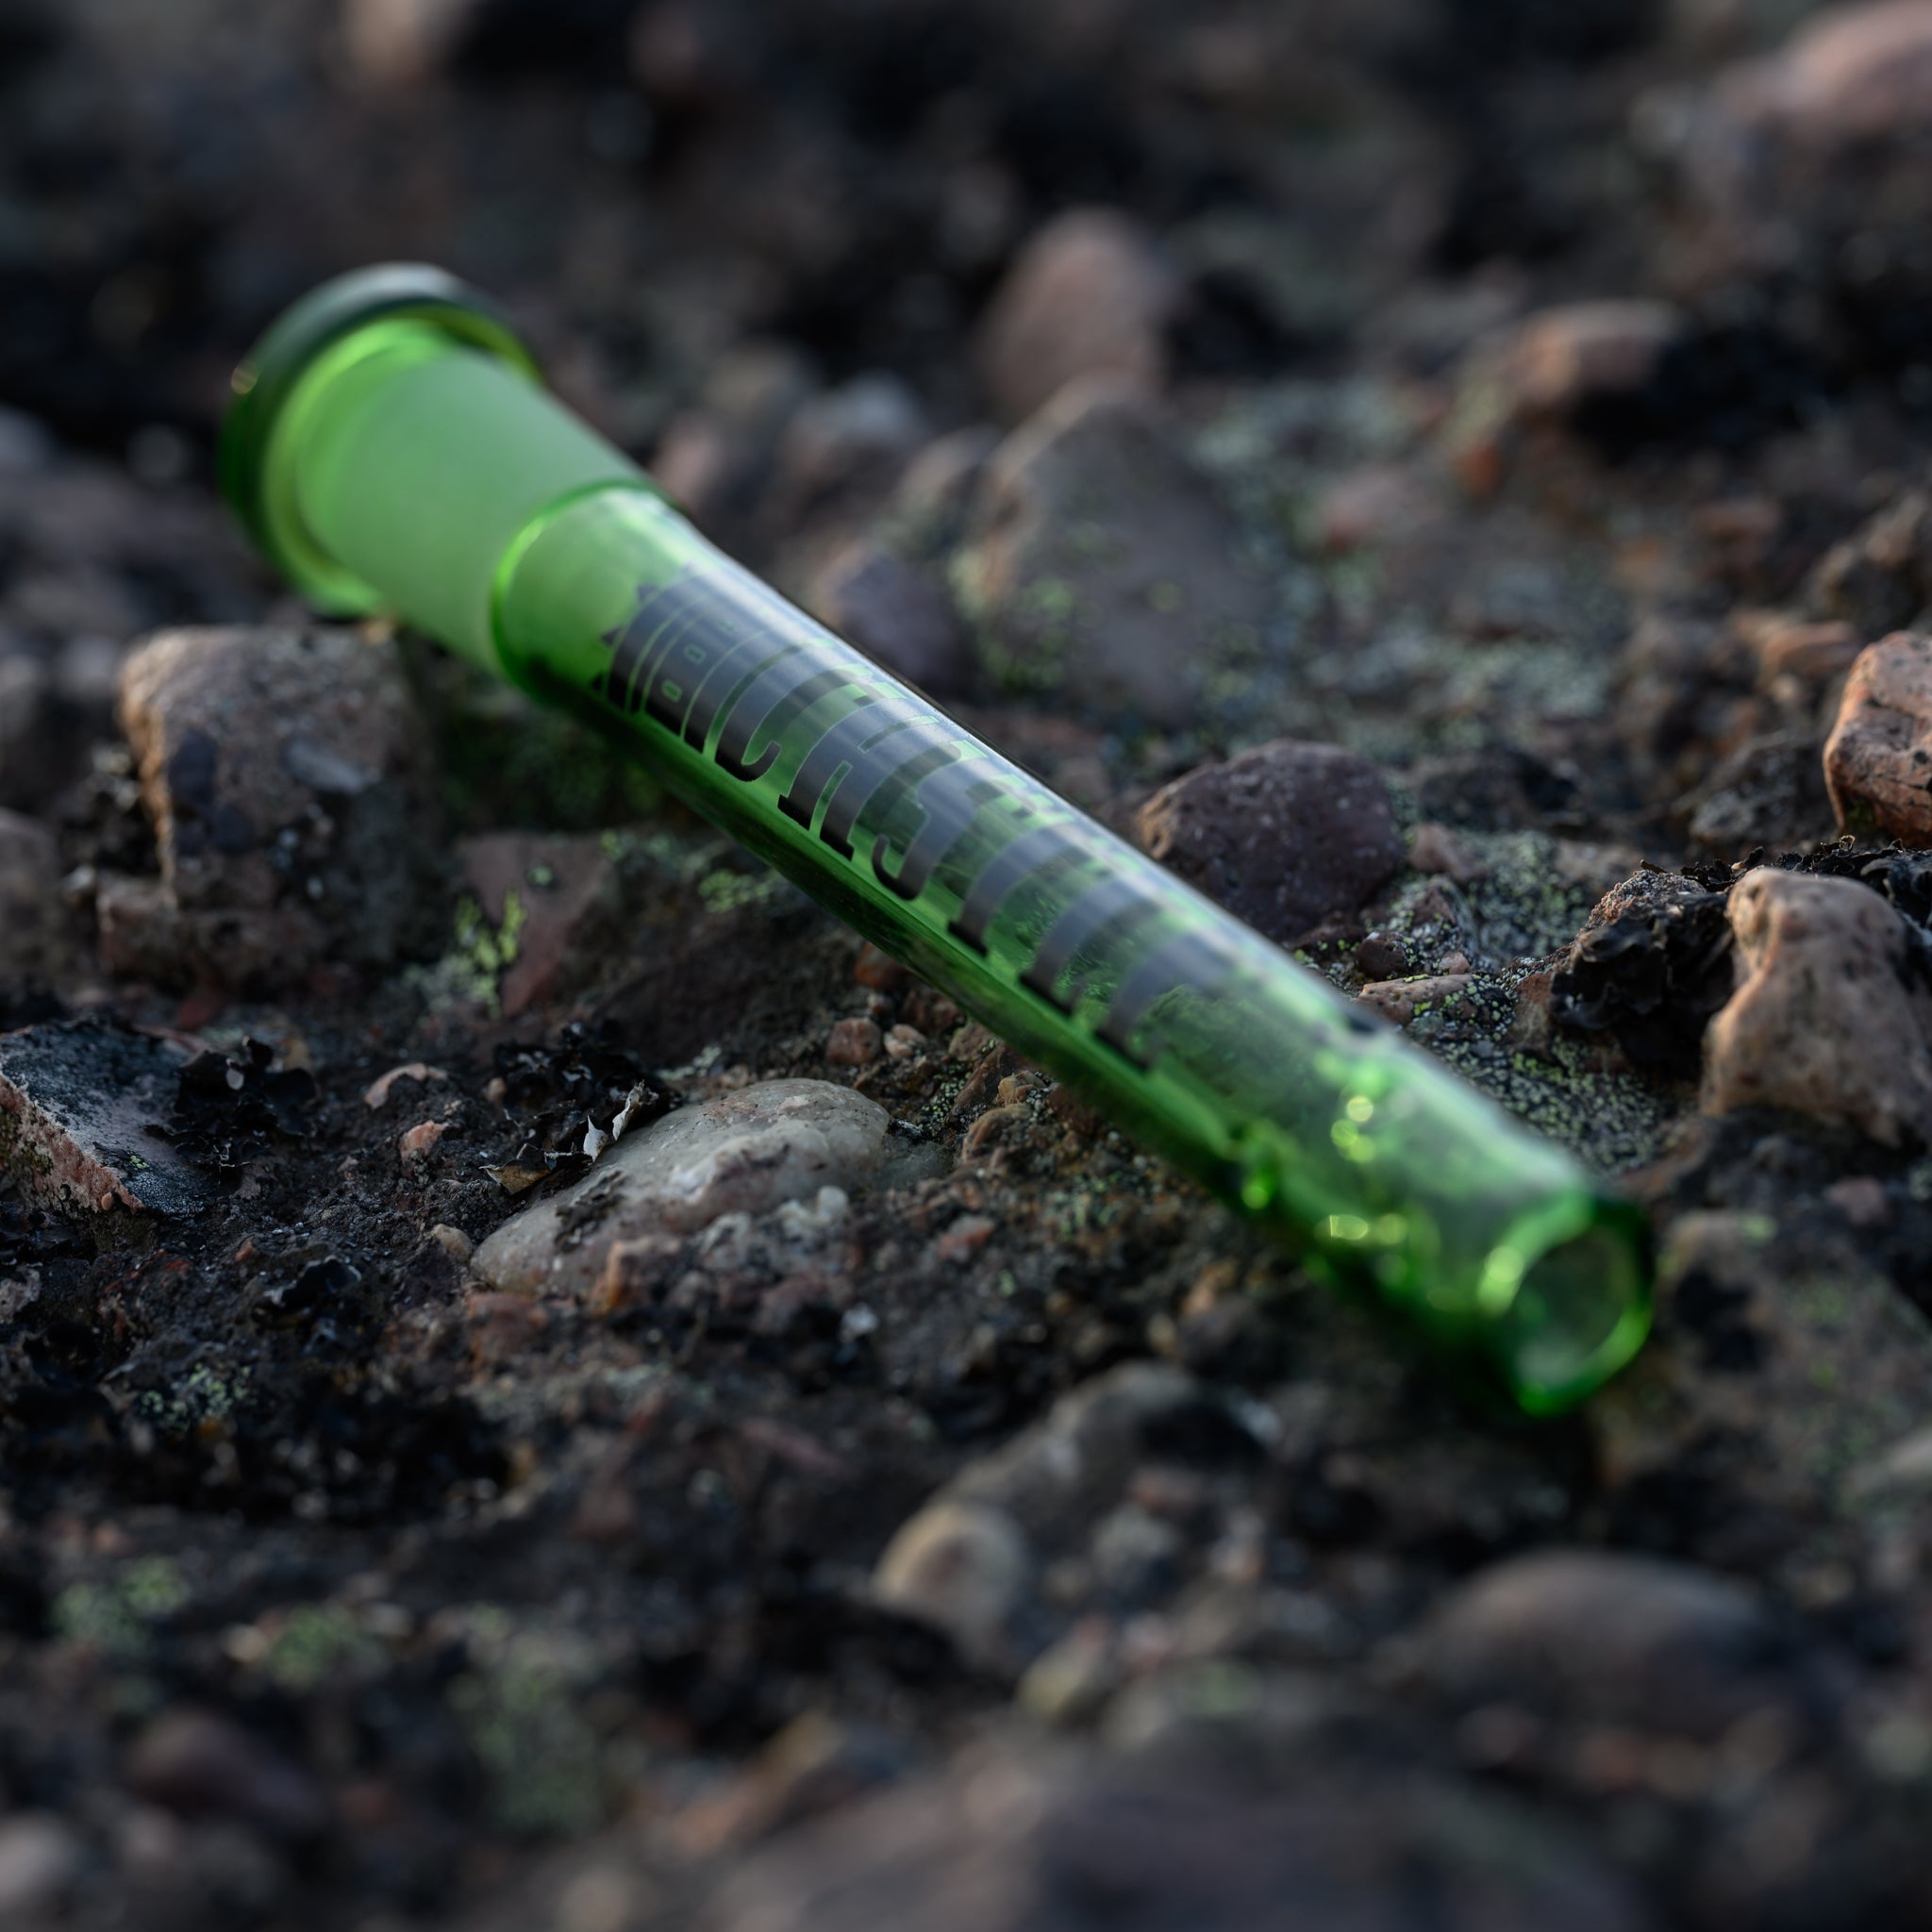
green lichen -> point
(521, 1708)
(479, 954)
(117, 1616)
(205, 1394)
(318, 1644)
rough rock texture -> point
(78, 1104)
(1099, 567)
(1879, 760)
(1833, 1012)
(284, 773)
(1088, 295)
(1282, 836)
(739, 1154)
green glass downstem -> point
(390, 448)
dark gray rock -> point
(1598, 1636)
(1283, 835)
(1099, 567)
(1012, 1844)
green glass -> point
(390, 448)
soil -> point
(338, 1591)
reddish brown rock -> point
(1831, 1015)
(1087, 295)
(1282, 836)
(1585, 351)
(1401, 1000)
(1879, 760)
(854, 1044)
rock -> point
(568, 899)
(715, 459)
(1562, 360)
(854, 1044)
(1099, 566)
(895, 613)
(969, 1561)
(741, 1153)
(1859, 74)
(1652, 964)
(1283, 835)
(403, 43)
(1601, 1637)
(1015, 1841)
(1434, 848)
(39, 1861)
(1769, 795)
(1792, 647)
(852, 439)
(201, 1765)
(1401, 1000)
(1089, 295)
(77, 1100)
(1808, 166)
(964, 1568)
(1832, 1010)
(1878, 758)
(934, 496)
(1880, 578)
(284, 775)
(34, 936)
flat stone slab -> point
(742, 1153)
(77, 1100)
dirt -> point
(339, 1593)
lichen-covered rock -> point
(1283, 835)
(741, 1153)
(286, 780)
(79, 1103)
(1832, 1012)
(1100, 568)
(1089, 295)
(1879, 760)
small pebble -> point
(854, 1044)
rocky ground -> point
(1446, 475)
